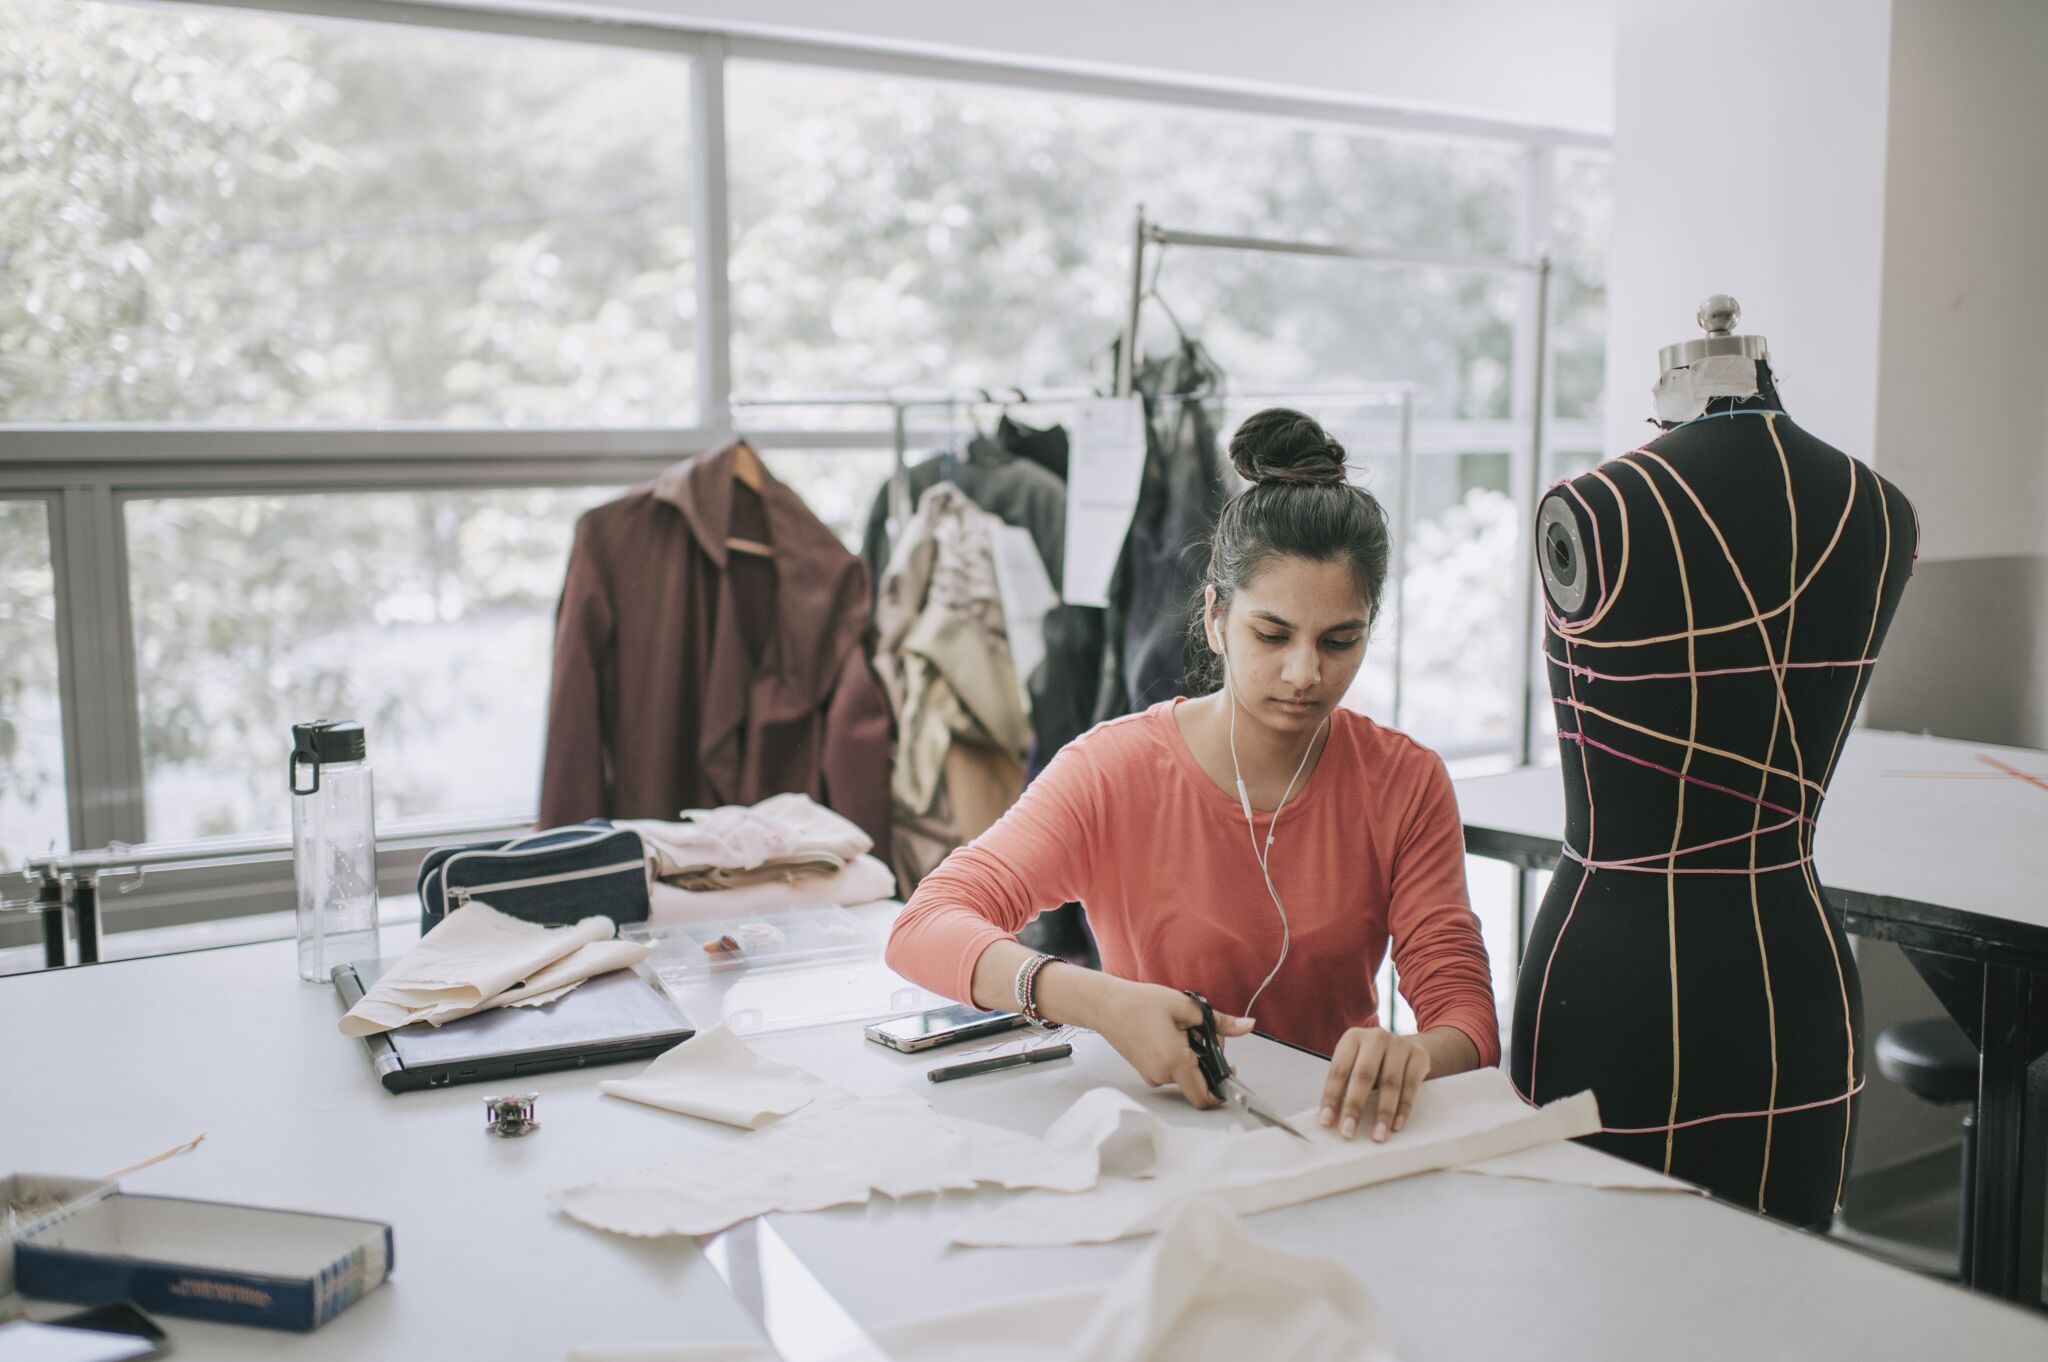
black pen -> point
(999, 1063)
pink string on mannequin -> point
(1584, 741)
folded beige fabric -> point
(585, 962)
(471, 958)
(863, 881)
(716, 847)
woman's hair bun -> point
(1282, 445)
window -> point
(432, 290)
(426, 616)
(234, 219)
(896, 232)
(839, 485)
(32, 811)
(1584, 221)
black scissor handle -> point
(1208, 1050)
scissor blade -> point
(1251, 1102)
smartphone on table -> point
(943, 1026)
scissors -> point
(1209, 1054)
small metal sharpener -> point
(511, 1116)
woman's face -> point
(1296, 636)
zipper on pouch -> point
(464, 893)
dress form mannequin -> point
(1714, 602)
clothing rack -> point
(1150, 234)
(901, 402)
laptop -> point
(608, 1019)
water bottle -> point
(334, 846)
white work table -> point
(1935, 845)
(107, 1064)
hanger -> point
(747, 471)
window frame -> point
(85, 474)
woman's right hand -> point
(1149, 1024)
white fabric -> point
(470, 960)
(716, 1076)
(1028, 597)
(1682, 394)
(1582, 1167)
(1456, 1120)
(1202, 1291)
(1135, 1168)
(864, 881)
(840, 1154)
(784, 827)
(552, 981)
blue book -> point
(206, 1260)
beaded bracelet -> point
(1027, 989)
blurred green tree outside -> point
(252, 221)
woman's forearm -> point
(1068, 994)
(1451, 1051)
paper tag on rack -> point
(1027, 595)
(1105, 462)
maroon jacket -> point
(684, 681)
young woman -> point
(1258, 844)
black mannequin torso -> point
(1707, 650)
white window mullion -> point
(709, 205)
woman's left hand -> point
(1370, 1061)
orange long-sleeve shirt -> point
(1125, 822)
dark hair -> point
(1299, 503)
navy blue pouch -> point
(557, 876)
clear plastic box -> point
(792, 968)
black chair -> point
(1936, 1062)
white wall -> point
(1550, 62)
(1749, 158)
(1963, 405)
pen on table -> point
(999, 1063)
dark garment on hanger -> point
(1021, 493)
(1179, 498)
(689, 676)
(1046, 448)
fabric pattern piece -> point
(714, 1075)
(839, 1154)
(1579, 1166)
(1456, 1120)
(1203, 1289)
(478, 958)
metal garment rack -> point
(1150, 234)
(901, 403)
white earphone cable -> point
(1264, 857)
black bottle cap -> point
(323, 741)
